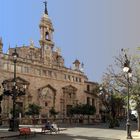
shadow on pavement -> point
(102, 126)
(59, 137)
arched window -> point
(47, 36)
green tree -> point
(117, 81)
(83, 109)
(135, 90)
(88, 110)
(113, 104)
(53, 112)
(33, 110)
(136, 99)
(17, 111)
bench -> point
(25, 132)
(47, 130)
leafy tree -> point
(33, 109)
(135, 90)
(88, 110)
(113, 103)
(83, 109)
(117, 81)
(17, 111)
(136, 99)
(53, 112)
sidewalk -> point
(4, 133)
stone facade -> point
(49, 82)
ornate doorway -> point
(68, 99)
(47, 99)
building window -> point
(73, 78)
(19, 68)
(88, 87)
(46, 104)
(88, 101)
(93, 102)
(22, 69)
(55, 75)
(69, 95)
(26, 69)
(76, 79)
(5, 66)
(37, 72)
(69, 77)
(44, 72)
(79, 79)
(65, 76)
(50, 73)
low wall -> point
(37, 121)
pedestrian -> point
(48, 125)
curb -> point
(8, 136)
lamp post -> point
(14, 120)
(13, 89)
(128, 72)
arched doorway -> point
(47, 96)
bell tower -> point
(46, 40)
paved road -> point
(90, 132)
(64, 137)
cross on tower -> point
(46, 11)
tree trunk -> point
(33, 120)
(54, 118)
(138, 120)
(88, 119)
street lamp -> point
(13, 89)
(14, 122)
(128, 71)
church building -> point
(49, 83)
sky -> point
(93, 31)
